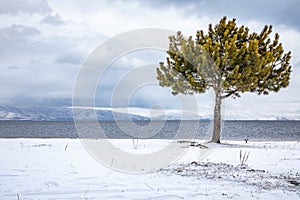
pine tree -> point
(228, 59)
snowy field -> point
(62, 169)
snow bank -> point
(62, 169)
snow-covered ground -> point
(63, 169)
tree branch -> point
(229, 94)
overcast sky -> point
(44, 43)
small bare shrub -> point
(244, 157)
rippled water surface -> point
(236, 130)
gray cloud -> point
(16, 32)
(25, 6)
(297, 64)
(13, 67)
(53, 20)
(270, 12)
(27, 67)
(14, 36)
(131, 81)
(73, 58)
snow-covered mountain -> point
(35, 113)
(179, 116)
(110, 114)
(61, 113)
(161, 114)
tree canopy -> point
(228, 58)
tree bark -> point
(217, 118)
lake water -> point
(234, 130)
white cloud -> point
(111, 18)
(289, 38)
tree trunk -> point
(217, 118)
